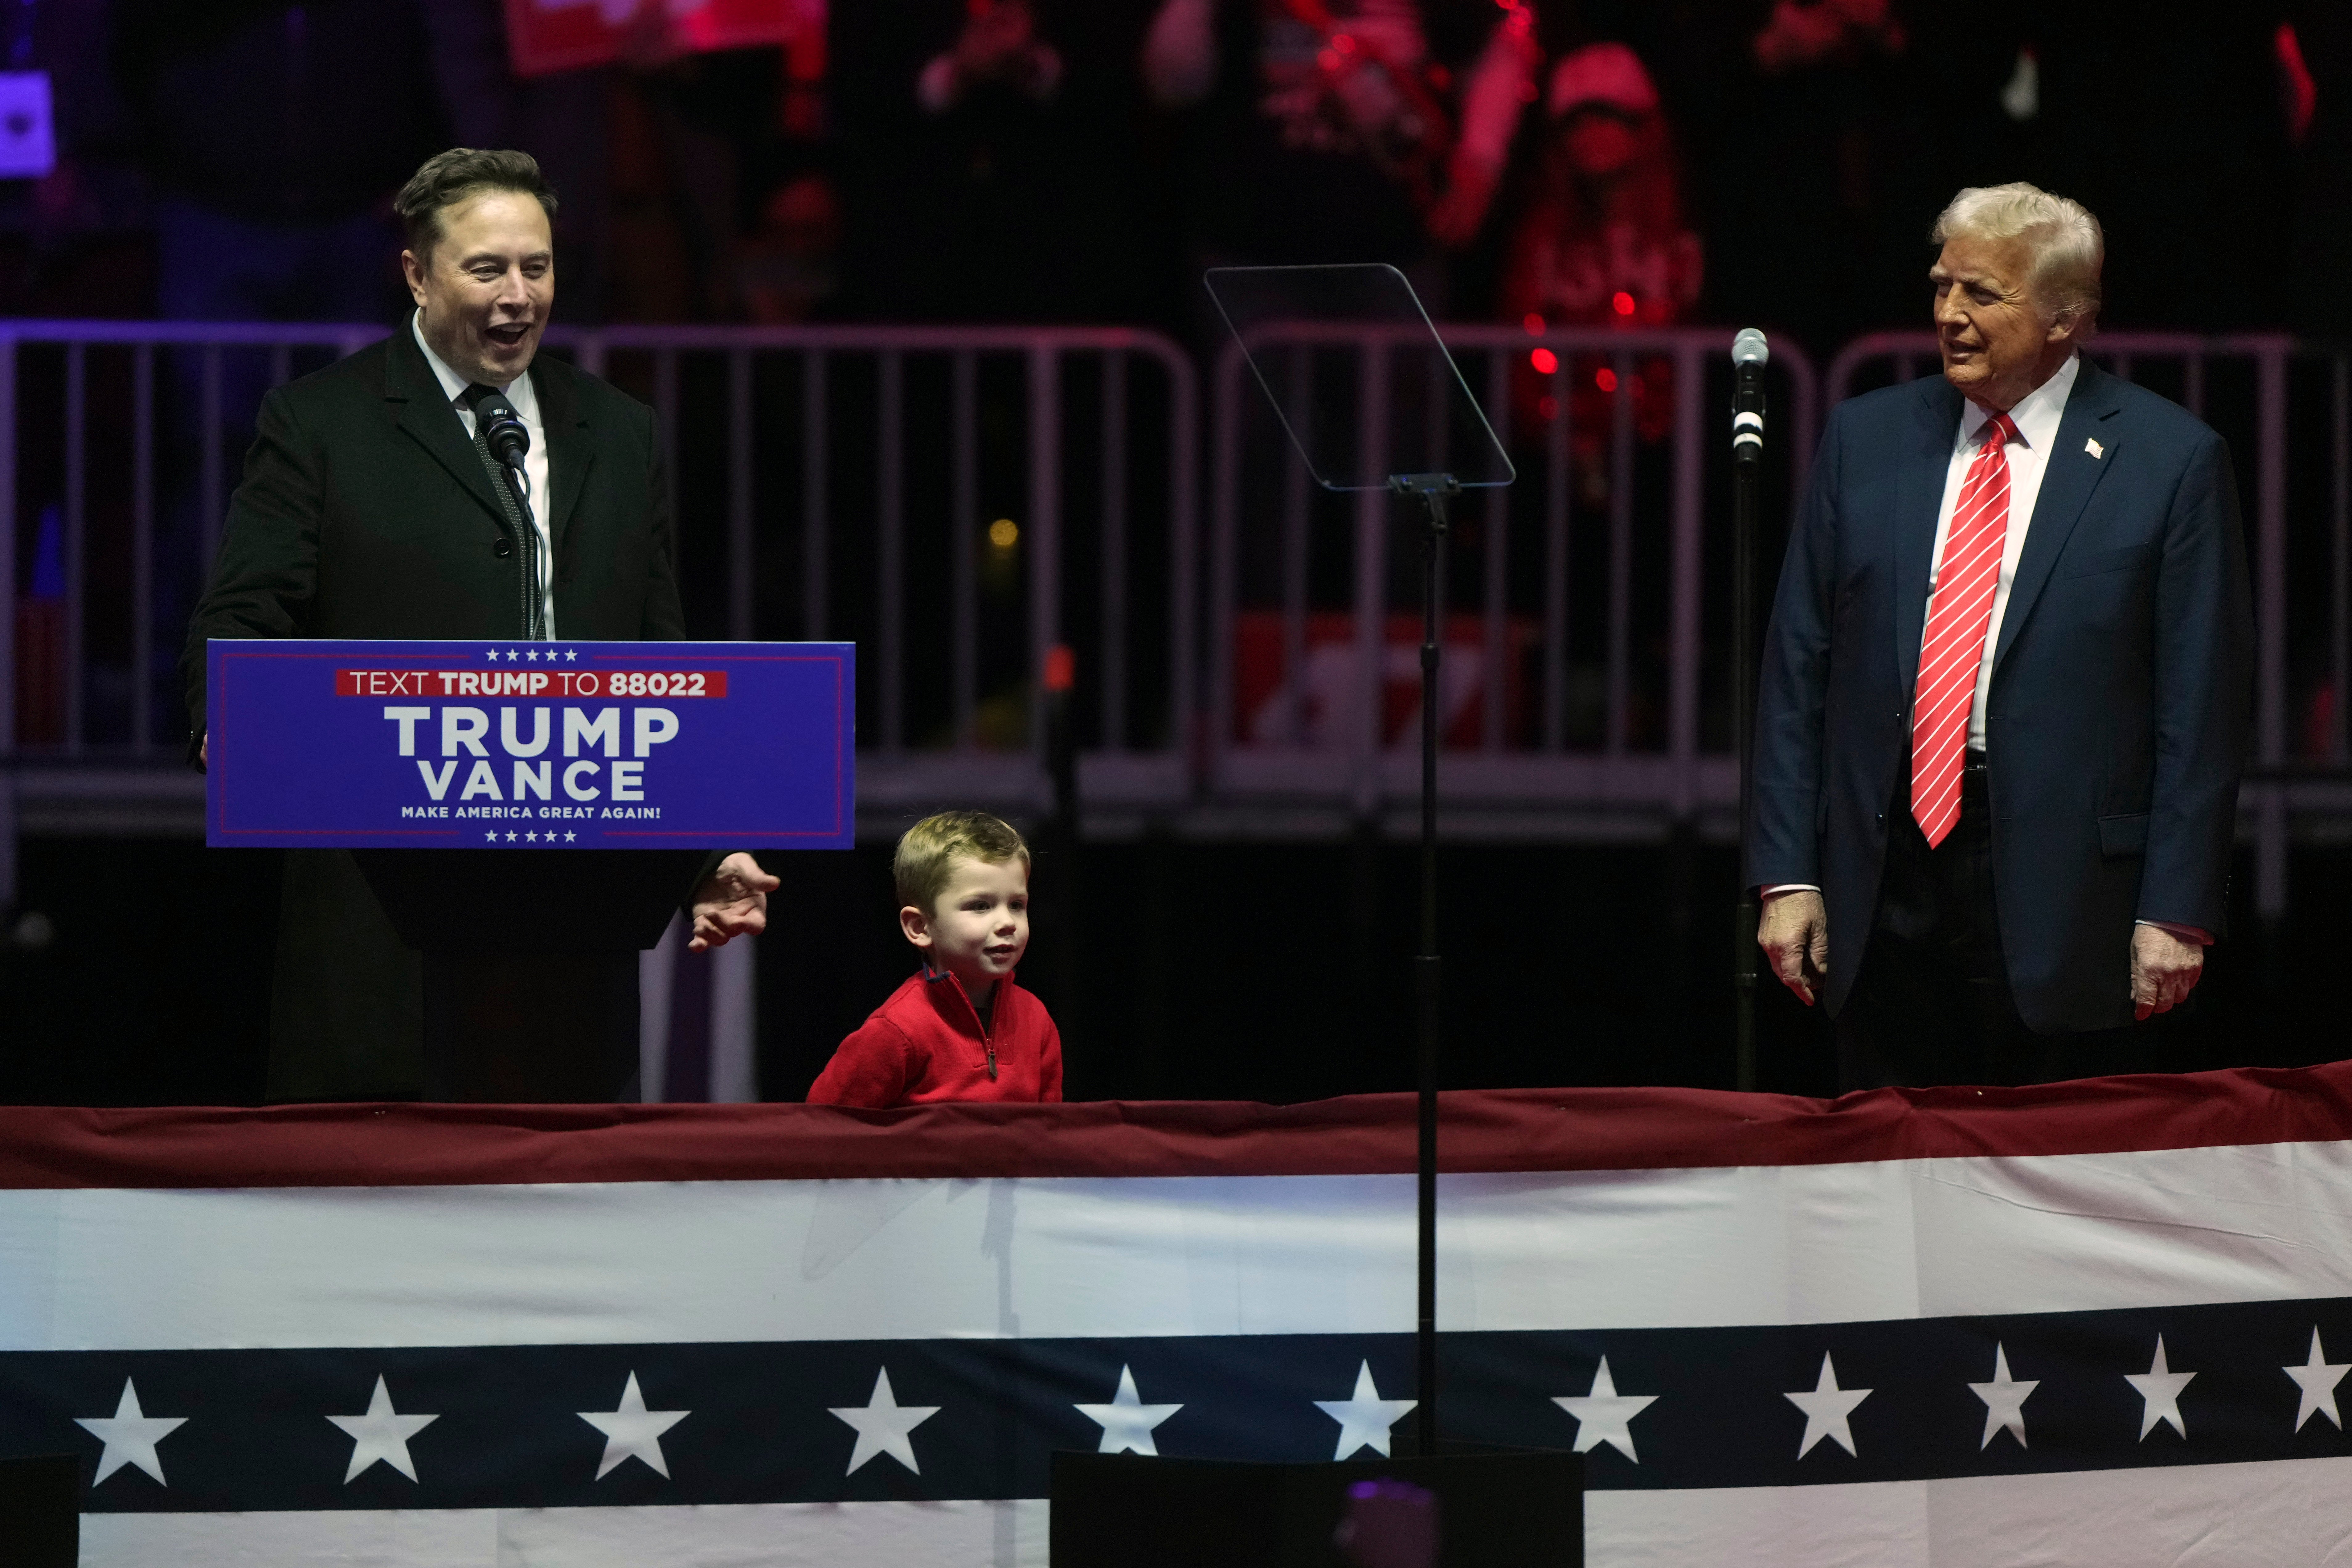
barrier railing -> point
(1586, 664)
(959, 500)
(2264, 392)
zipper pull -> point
(991, 1064)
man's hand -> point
(732, 901)
(2164, 970)
(1795, 935)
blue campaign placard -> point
(554, 745)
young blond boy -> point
(959, 1028)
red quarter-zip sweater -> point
(927, 1043)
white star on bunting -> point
(569, 655)
(1126, 1422)
(494, 656)
(1826, 1409)
(632, 1431)
(533, 655)
(1364, 1417)
(883, 1426)
(381, 1434)
(2318, 1379)
(1605, 1416)
(130, 1435)
(2004, 1399)
(512, 656)
(2160, 1390)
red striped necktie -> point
(1957, 617)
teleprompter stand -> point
(1372, 402)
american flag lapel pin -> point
(2093, 448)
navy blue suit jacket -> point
(2115, 723)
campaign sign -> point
(551, 745)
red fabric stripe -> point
(1508, 1130)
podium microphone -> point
(1749, 354)
(503, 430)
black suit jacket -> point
(2116, 720)
(365, 511)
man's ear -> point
(917, 925)
(413, 269)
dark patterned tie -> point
(526, 537)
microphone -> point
(1749, 354)
(503, 430)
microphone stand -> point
(1746, 476)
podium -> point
(531, 815)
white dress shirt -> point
(525, 399)
(2036, 416)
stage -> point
(2089, 1324)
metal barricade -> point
(958, 500)
(1589, 693)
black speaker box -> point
(40, 1511)
(1512, 1508)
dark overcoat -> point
(365, 511)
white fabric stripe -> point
(699, 1262)
(2294, 1513)
(974, 1534)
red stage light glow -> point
(1534, 323)
(1623, 303)
(1605, 379)
(1545, 361)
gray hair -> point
(2068, 245)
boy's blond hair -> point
(928, 852)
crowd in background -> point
(1573, 161)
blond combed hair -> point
(2068, 247)
(929, 850)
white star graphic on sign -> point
(632, 1431)
(1364, 1417)
(381, 1434)
(512, 656)
(1126, 1422)
(1826, 1409)
(490, 838)
(570, 837)
(1605, 1416)
(2160, 1389)
(883, 1424)
(130, 1435)
(533, 655)
(2004, 1399)
(494, 656)
(531, 839)
(509, 837)
(2317, 1380)
(569, 655)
